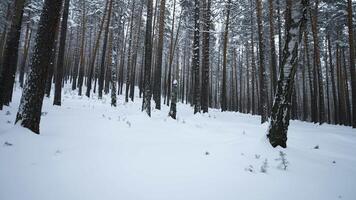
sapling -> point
(284, 162)
(264, 166)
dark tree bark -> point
(224, 79)
(10, 54)
(146, 103)
(262, 72)
(96, 47)
(273, 48)
(196, 57)
(352, 60)
(103, 55)
(60, 62)
(29, 114)
(158, 68)
(27, 43)
(82, 58)
(173, 108)
(317, 64)
(205, 59)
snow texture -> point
(90, 150)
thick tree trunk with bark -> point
(10, 54)
(29, 114)
(295, 19)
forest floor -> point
(90, 150)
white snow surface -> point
(89, 150)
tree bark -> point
(29, 113)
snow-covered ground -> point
(90, 150)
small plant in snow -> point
(8, 121)
(128, 123)
(8, 113)
(250, 169)
(7, 144)
(316, 147)
(257, 156)
(264, 166)
(284, 162)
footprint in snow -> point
(8, 144)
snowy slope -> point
(89, 150)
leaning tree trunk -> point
(96, 47)
(60, 62)
(103, 56)
(9, 60)
(29, 114)
(295, 20)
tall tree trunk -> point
(295, 19)
(103, 55)
(129, 53)
(10, 54)
(146, 103)
(224, 79)
(96, 47)
(158, 68)
(196, 57)
(205, 59)
(262, 71)
(29, 113)
(82, 58)
(273, 63)
(317, 64)
(352, 60)
(333, 86)
(27, 43)
(60, 62)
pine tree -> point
(352, 61)
(60, 63)
(146, 103)
(262, 72)
(205, 59)
(196, 57)
(9, 60)
(29, 114)
(224, 79)
(159, 51)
